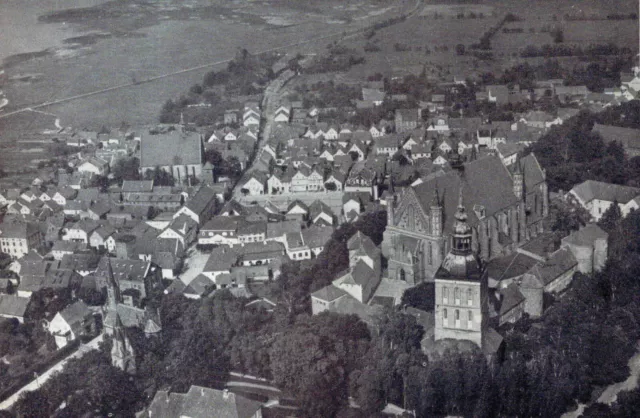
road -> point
(35, 384)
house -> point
(261, 254)
(253, 184)
(555, 273)
(279, 182)
(277, 231)
(589, 246)
(231, 116)
(336, 178)
(199, 287)
(134, 278)
(17, 237)
(64, 194)
(79, 231)
(353, 203)
(362, 179)
(70, 323)
(220, 261)
(372, 97)
(95, 166)
(219, 230)
(320, 213)
(183, 228)
(62, 248)
(315, 237)
(252, 232)
(178, 152)
(407, 119)
(387, 145)
(98, 211)
(200, 206)
(201, 402)
(297, 210)
(102, 238)
(296, 248)
(282, 115)
(597, 196)
(12, 306)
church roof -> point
(171, 148)
(486, 183)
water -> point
(20, 31)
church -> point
(505, 205)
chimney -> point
(225, 394)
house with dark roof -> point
(13, 306)
(200, 206)
(596, 197)
(220, 230)
(201, 402)
(177, 151)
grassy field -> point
(141, 40)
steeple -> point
(113, 289)
(461, 229)
(122, 355)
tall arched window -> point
(469, 297)
(402, 275)
(456, 295)
(430, 253)
(470, 320)
(457, 318)
(445, 295)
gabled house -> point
(254, 184)
(183, 228)
(279, 183)
(596, 197)
(70, 323)
(95, 166)
(297, 210)
(200, 206)
(320, 213)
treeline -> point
(205, 103)
(572, 153)
(338, 59)
(591, 51)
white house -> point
(94, 166)
(596, 197)
(254, 184)
(71, 322)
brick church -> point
(505, 205)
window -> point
(456, 295)
(430, 253)
(469, 297)
(402, 275)
(457, 318)
(445, 295)
(470, 320)
(444, 314)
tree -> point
(611, 217)
(160, 177)
(420, 297)
(330, 186)
(126, 169)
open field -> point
(135, 41)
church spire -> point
(122, 355)
(461, 229)
(113, 289)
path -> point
(610, 394)
(36, 383)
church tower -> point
(122, 355)
(461, 287)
